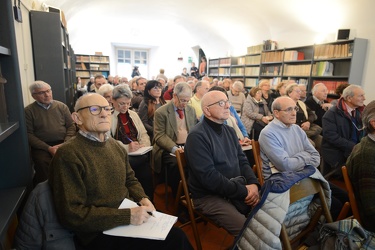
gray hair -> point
(289, 89)
(238, 85)
(105, 88)
(122, 91)
(38, 85)
(263, 81)
(367, 116)
(182, 89)
(349, 91)
(316, 86)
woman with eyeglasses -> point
(151, 102)
(305, 116)
(128, 128)
(255, 113)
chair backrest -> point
(181, 163)
(258, 161)
(352, 199)
(304, 188)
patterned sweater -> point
(89, 180)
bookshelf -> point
(53, 55)
(91, 65)
(15, 168)
(331, 63)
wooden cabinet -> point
(15, 168)
(53, 55)
(91, 65)
(331, 63)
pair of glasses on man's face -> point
(183, 101)
(221, 103)
(96, 109)
(289, 110)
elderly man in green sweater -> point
(49, 125)
(90, 176)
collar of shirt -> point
(349, 109)
(44, 106)
(317, 100)
(92, 137)
(280, 123)
(371, 136)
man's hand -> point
(134, 146)
(326, 106)
(138, 215)
(252, 197)
(147, 203)
(52, 150)
(305, 126)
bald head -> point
(215, 106)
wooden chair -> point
(257, 168)
(304, 188)
(183, 197)
(352, 199)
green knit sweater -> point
(89, 180)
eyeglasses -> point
(290, 109)
(358, 129)
(157, 88)
(96, 110)
(183, 101)
(43, 92)
(221, 103)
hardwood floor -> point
(212, 238)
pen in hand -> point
(150, 213)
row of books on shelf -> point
(269, 45)
(214, 63)
(224, 61)
(331, 85)
(273, 56)
(293, 55)
(237, 71)
(333, 50)
(256, 49)
(224, 71)
(270, 70)
(83, 66)
(252, 60)
(297, 70)
(323, 68)
(252, 71)
(94, 59)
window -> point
(128, 58)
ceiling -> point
(209, 24)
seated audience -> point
(90, 84)
(90, 176)
(127, 127)
(172, 123)
(168, 95)
(338, 92)
(184, 72)
(199, 91)
(285, 147)
(161, 75)
(303, 94)
(265, 87)
(236, 95)
(255, 115)
(221, 180)
(106, 90)
(99, 80)
(318, 102)
(280, 89)
(305, 117)
(361, 170)
(342, 128)
(151, 102)
(138, 94)
(49, 125)
(226, 83)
